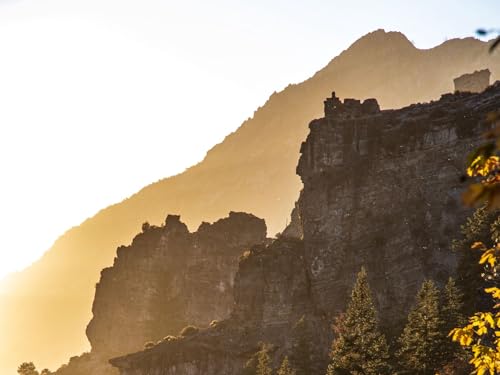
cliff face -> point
(271, 294)
(381, 189)
(166, 279)
(252, 170)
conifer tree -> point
(452, 306)
(285, 368)
(422, 339)
(483, 225)
(263, 362)
(451, 317)
(360, 347)
(302, 350)
(27, 368)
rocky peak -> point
(350, 107)
(165, 280)
(473, 82)
(375, 39)
(173, 224)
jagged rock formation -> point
(252, 170)
(271, 294)
(381, 189)
(166, 279)
(473, 82)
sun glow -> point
(100, 98)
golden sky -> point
(99, 98)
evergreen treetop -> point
(422, 339)
(360, 348)
(302, 350)
(285, 368)
(264, 361)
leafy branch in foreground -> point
(496, 41)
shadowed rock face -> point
(381, 189)
(271, 294)
(166, 279)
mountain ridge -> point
(251, 170)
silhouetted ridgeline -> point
(252, 170)
(165, 280)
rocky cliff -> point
(166, 279)
(381, 189)
(271, 294)
(252, 170)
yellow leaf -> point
(488, 256)
(494, 291)
(478, 245)
(489, 319)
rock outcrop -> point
(381, 189)
(473, 82)
(271, 295)
(165, 280)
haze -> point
(100, 98)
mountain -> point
(45, 308)
(381, 191)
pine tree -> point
(422, 339)
(301, 351)
(285, 368)
(452, 317)
(263, 362)
(452, 307)
(360, 347)
(27, 368)
(482, 225)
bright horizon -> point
(101, 98)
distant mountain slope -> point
(252, 170)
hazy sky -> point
(99, 98)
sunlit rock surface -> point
(166, 279)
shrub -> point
(245, 255)
(189, 331)
(145, 226)
(169, 338)
(149, 345)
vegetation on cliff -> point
(482, 335)
(360, 347)
(28, 368)
(285, 368)
(422, 338)
(301, 354)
